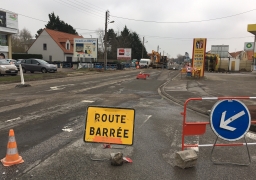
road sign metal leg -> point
(96, 159)
(103, 159)
(222, 163)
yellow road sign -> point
(109, 125)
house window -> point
(50, 58)
(45, 46)
(3, 40)
(68, 46)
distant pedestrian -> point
(2, 56)
(189, 70)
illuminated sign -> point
(109, 125)
(124, 54)
(199, 45)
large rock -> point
(185, 159)
(116, 159)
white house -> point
(54, 46)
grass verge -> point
(32, 77)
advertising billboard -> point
(124, 53)
(199, 46)
(85, 47)
(8, 20)
(221, 50)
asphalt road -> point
(49, 118)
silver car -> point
(40, 65)
(7, 69)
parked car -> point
(17, 63)
(40, 65)
(11, 61)
(7, 69)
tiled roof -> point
(249, 54)
(60, 38)
(235, 54)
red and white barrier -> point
(199, 128)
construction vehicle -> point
(158, 61)
(212, 62)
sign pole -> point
(105, 42)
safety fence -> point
(199, 128)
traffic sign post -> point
(230, 119)
(109, 125)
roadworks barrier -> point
(142, 76)
(12, 156)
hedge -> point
(27, 56)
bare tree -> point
(180, 58)
(25, 35)
(22, 41)
(101, 49)
(16, 45)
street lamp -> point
(143, 47)
(105, 41)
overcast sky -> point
(173, 36)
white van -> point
(144, 63)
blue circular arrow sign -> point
(230, 119)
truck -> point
(158, 61)
(145, 63)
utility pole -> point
(105, 41)
(142, 48)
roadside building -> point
(55, 46)
(8, 26)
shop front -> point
(8, 26)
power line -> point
(26, 16)
(87, 5)
(86, 29)
(173, 38)
(149, 36)
(177, 22)
(71, 5)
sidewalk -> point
(213, 85)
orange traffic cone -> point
(12, 155)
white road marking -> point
(67, 129)
(15, 119)
(174, 142)
(195, 142)
(149, 116)
(55, 88)
(251, 135)
(87, 101)
(194, 148)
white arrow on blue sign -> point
(230, 119)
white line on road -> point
(67, 129)
(15, 119)
(251, 135)
(55, 88)
(87, 101)
(174, 142)
(149, 116)
(195, 142)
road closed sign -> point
(109, 125)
